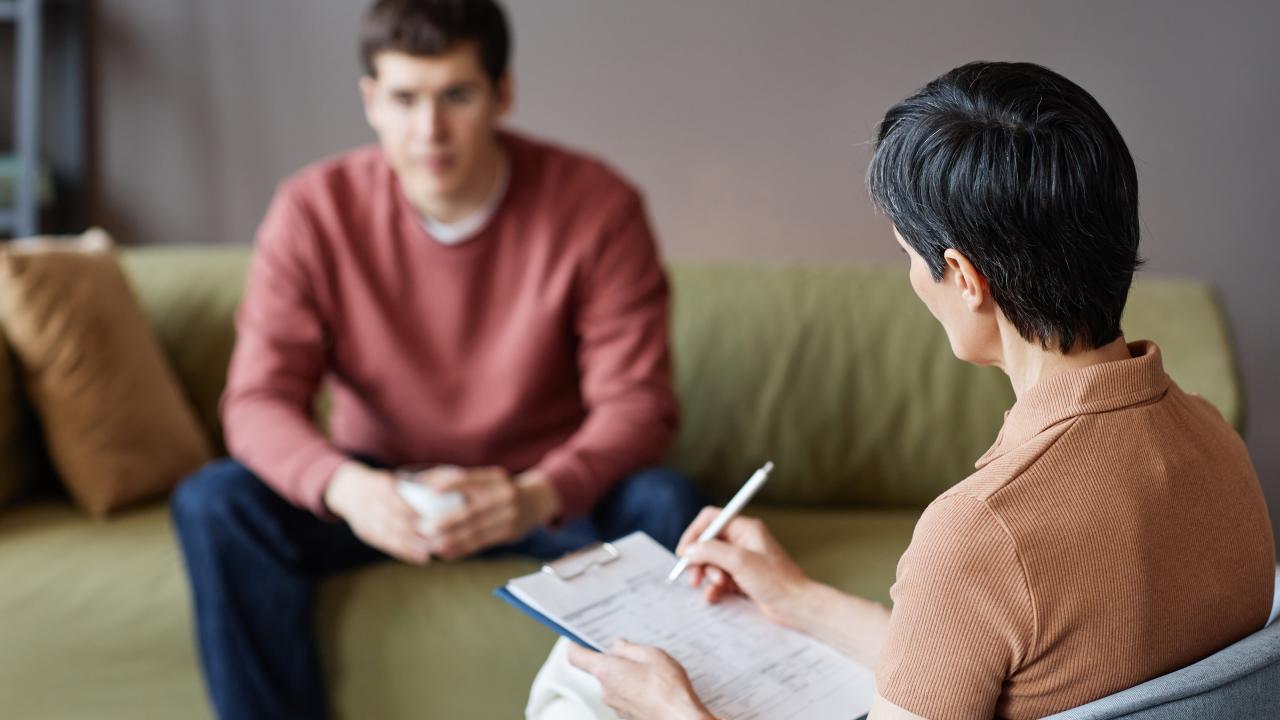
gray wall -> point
(745, 122)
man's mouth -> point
(437, 162)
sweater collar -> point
(1094, 389)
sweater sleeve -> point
(278, 363)
(962, 617)
(624, 364)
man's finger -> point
(459, 544)
(454, 520)
(401, 532)
(410, 547)
(417, 556)
(484, 494)
(485, 531)
(477, 514)
(484, 525)
(396, 513)
(447, 479)
(397, 505)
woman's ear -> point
(971, 283)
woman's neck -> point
(1027, 364)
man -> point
(1116, 530)
(485, 308)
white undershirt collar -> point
(462, 230)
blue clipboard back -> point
(505, 595)
(566, 569)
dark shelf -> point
(52, 187)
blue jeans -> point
(254, 561)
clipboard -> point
(740, 663)
(566, 569)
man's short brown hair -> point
(433, 27)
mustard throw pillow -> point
(117, 425)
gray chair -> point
(1240, 682)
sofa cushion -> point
(97, 619)
(117, 425)
(488, 653)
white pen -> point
(729, 512)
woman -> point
(1115, 531)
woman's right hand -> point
(745, 558)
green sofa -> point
(838, 374)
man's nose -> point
(429, 121)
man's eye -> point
(403, 99)
(458, 96)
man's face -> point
(435, 118)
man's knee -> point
(206, 499)
(664, 489)
(660, 501)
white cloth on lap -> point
(563, 692)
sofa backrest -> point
(837, 373)
(841, 376)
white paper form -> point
(742, 665)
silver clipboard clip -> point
(583, 561)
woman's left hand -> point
(641, 682)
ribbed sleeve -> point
(278, 364)
(962, 614)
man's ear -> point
(971, 283)
(368, 91)
(506, 93)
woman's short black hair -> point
(433, 27)
(1024, 173)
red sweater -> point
(539, 342)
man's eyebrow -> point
(421, 90)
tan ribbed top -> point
(1114, 532)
